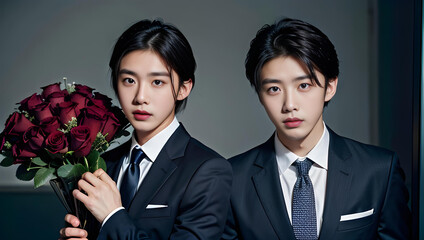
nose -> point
(289, 103)
(142, 94)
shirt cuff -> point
(110, 215)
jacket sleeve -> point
(230, 231)
(121, 226)
(395, 218)
(204, 207)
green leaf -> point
(23, 174)
(39, 162)
(100, 163)
(7, 153)
(7, 162)
(71, 171)
(92, 157)
(42, 176)
(95, 161)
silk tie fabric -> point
(304, 218)
(131, 176)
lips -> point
(292, 122)
(141, 115)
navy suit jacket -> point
(191, 179)
(360, 178)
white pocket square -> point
(354, 216)
(153, 206)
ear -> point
(331, 89)
(185, 89)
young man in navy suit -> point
(176, 187)
(307, 182)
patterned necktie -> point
(304, 218)
(131, 176)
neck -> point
(145, 136)
(301, 147)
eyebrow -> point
(271, 80)
(152, 74)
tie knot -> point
(303, 166)
(137, 156)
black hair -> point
(295, 38)
(163, 39)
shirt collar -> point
(318, 154)
(153, 147)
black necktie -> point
(304, 218)
(131, 176)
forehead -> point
(283, 67)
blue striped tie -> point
(304, 218)
(131, 177)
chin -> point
(293, 134)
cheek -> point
(124, 100)
(271, 104)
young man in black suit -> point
(161, 184)
(307, 182)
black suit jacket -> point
(191, 179)
(360, 178)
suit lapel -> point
(268, 188)
(338, 181)
(161, 170)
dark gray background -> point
(43, 41)
(378, 43)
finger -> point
(85, 186)
(80, 196)
(98, 172)
(73, 232)
(102, 175)
(91, 178)
(73, 220)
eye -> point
(273, 89)
(304, 86)
(157, 82)
(128, 80)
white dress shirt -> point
(317, 173)
(152, 149)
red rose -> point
(88, 91)
(33, 139)
(81, 100)
(42, 111)
(21, 154)
(57, 97)
(117, 112)
(52, 88)
(93, 117)
(102, 100)
(56, 142)
(17, 124)
(50, 124)
(80, 141)
(66, 111)
(110, 127)
(30, 102)
(2, 141)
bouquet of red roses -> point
(59, 134)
